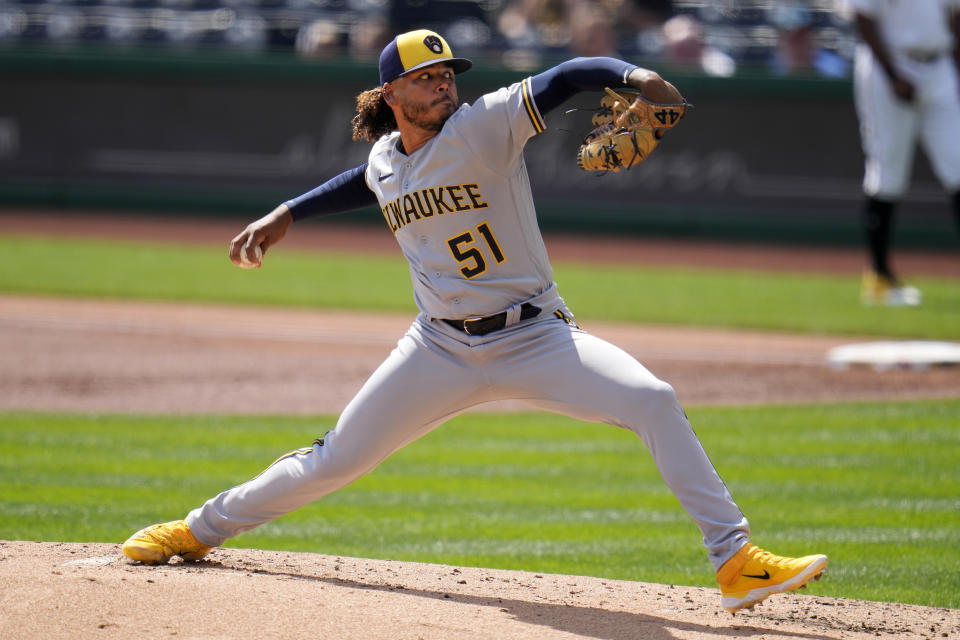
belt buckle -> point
(466, 325)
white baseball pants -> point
(891, 128)
(437, 371)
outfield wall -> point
(759, 157)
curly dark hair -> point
(374, 117)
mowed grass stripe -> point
(874, 485)
(715, 297)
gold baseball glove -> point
(627, 128)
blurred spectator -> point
(439, 15)
(716, 36)
(319, 39)
(645, 13)
(535, 25)
(591, 29)
(368, 36)
(684, 45)
(683, 40)
(534, 28)
(797, 48)
(639, 24)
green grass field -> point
(876, 486)
(721, 298)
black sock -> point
(878, 223)
(956, 208)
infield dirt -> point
(57, 590)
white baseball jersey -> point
(910, 25)
(462, 211)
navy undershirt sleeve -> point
(551, 88)
(345, 192)
(554, 86)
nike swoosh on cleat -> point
(384, 177)
(765, 576)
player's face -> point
(428, 96)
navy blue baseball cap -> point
(416, 49)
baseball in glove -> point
(627, 128)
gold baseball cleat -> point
(879, 290)
(753, 574)
(158, 543)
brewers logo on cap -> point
(416, 49)
(434, 44)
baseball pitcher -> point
(451, 182)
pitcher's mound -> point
(87, 590)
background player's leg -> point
(573, 372)
(420, 385)
(878, 223)
(955, 199)
(940, 129)
(888, 131)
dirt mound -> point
(77, 591)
